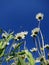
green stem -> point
(37, 47)
(42, 42)
(39, 24)
(24, 45)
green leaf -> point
(2, 52)
(18, 63)
(9, 58)
(21, 61)
(30, 57)
(10, 36)
(21, 53)
(18, 45)
(2, 49)
(0, 44)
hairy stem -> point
(42, 42)
(24, 45)
(39, 24)
(37, 47)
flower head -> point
(42, 58)
(46, 46)
(33, 49)
(37, 60)
(4, 35)
(35, 32)
(20, 35)
(39, 16)
(13, 63)
(14, 45)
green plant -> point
(19, 55)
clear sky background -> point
(19, 15)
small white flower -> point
(46, 46)
(33, 49)
(42, 58)
(37, 61)
(14, 45)
(21, 35)
(4, 35)
(13, 63)
(35, 32)
(39, 16)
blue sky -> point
(19, 15)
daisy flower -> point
(46, 46)
(14, 45)
(35, 32)
(33, 49)
(20, 35)
(4, 35)
(39, 16)
(13, 63)
(37, 60)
